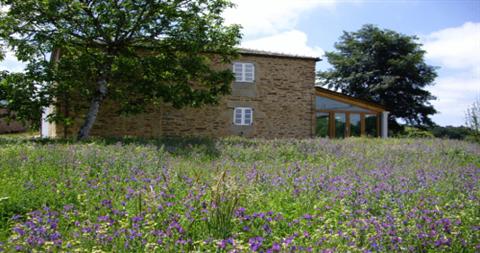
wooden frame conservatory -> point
(339, 116)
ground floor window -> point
(372, 125)
(355, 124)
(340, 125)
(243, 116)
(346, 124)
(322, 124)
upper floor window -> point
(244, 72)
(243, 116)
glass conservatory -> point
(340, 116)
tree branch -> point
(96, 22)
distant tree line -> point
(443, 132)
(452, 132)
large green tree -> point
(135, 52)
(385, 67)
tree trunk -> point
(91, 116)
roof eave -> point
(243, 51)
(359, 102)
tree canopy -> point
(135, 52)
(385, 67)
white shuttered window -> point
(244, 72)
(243, 116)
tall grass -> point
(241, 195)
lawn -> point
(240, 195)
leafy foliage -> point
(136, 53)
(23, 97)
(414, 132)
(385, 67)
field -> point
(239, 195)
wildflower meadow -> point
(240, 195)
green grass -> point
(190, 194)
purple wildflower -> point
(255, 243)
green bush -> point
(413, 132)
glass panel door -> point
(355, 125)
(371, 125)
(322, 124)
(340, 125)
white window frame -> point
(242, 120)
(243, 73)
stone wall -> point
(10, 126)
(281, 97)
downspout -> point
(48, 129)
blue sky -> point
(449, 30)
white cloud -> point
(11, 63)
(271, 24)
(290, 42)
(457, 47)
(457, 51)
(267, 17)
(455, 93)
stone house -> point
(273, 96)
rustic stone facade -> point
(10, 126)
(281, 97)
